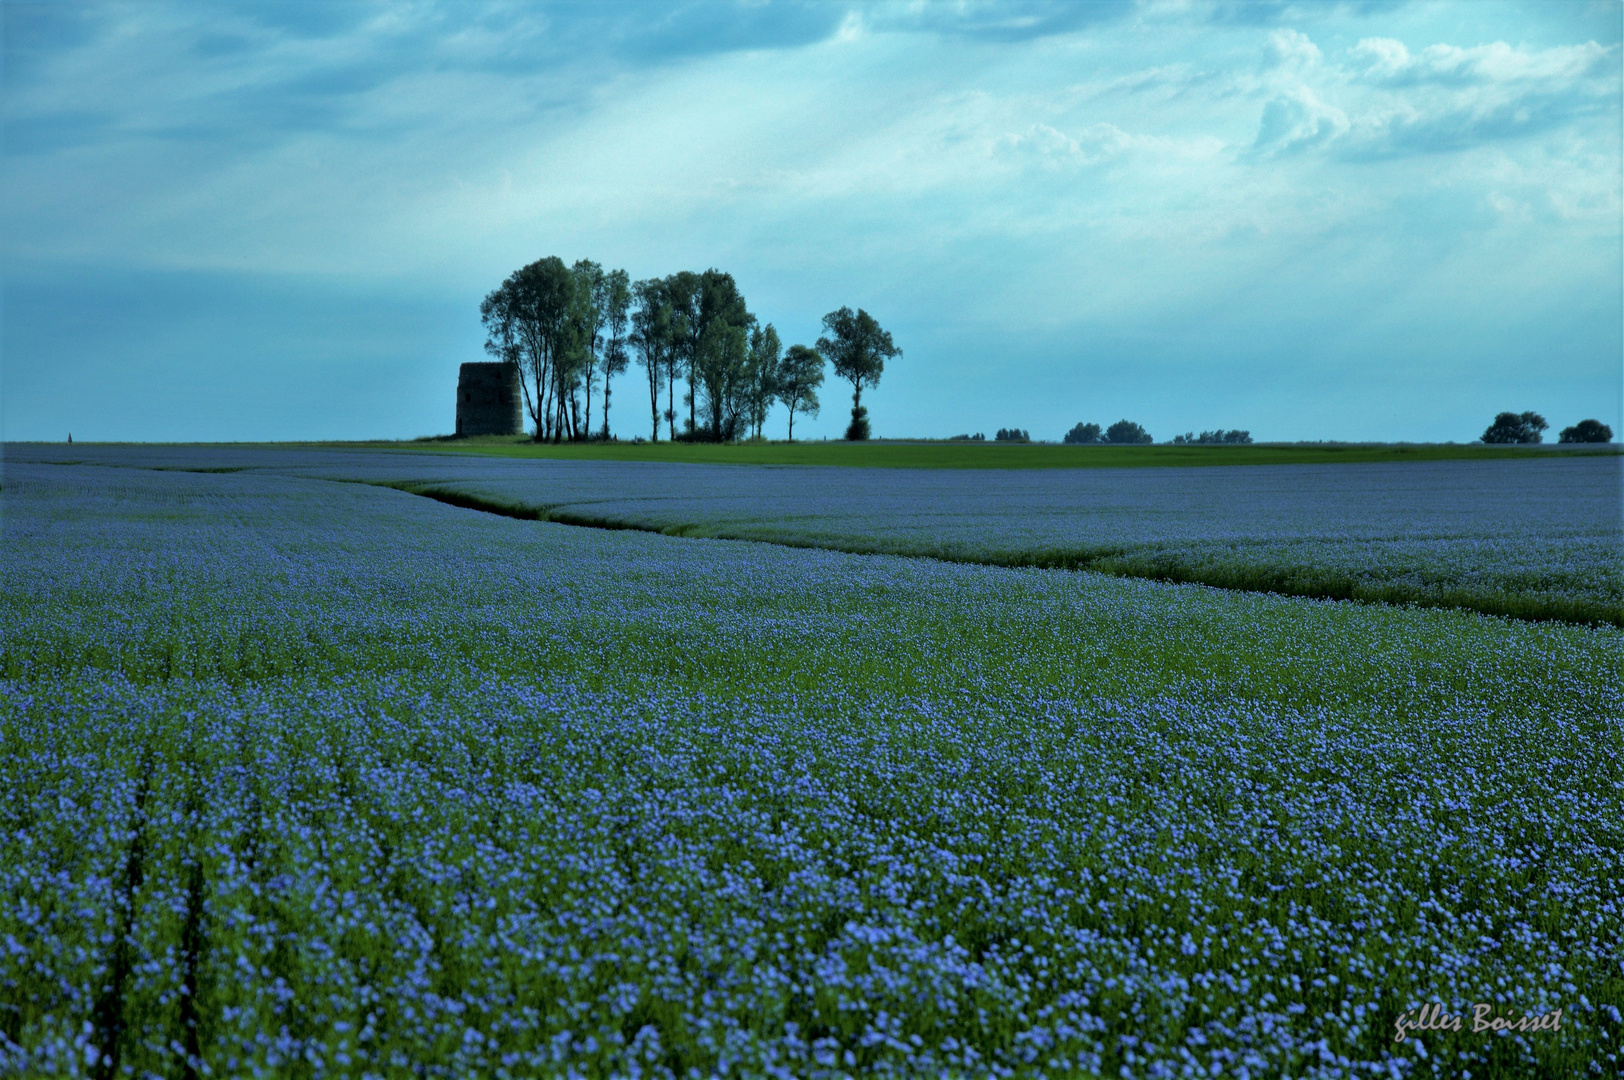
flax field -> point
(305, 774)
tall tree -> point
(588, 315)
(526, 322)
(858, 349)
(651, 338)
(616, 303)
(683, 291)
(761, 374)
(799, 376)
(722, 352)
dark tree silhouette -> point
(1127, 433)
(858, 349)
(651, 338)
(761, 375)
(527, 322)
(721, 354)
(1084, 435)
(616, 302)
(1587, 431)
(799, 377)
(1510, 427)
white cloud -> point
(1292, 49)
(1297, 120)
(1447, 98)
(1050, 148)
(1389, 61)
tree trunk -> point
(654, 399)
(671, 400)
(589, 399)
(547, 409)
(792, 422)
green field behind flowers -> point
(953, 454)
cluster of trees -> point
(1121, 433)
(572, 329)
(1213, 438)
(1587, 431)
(1013, 434)
(1529, 427)
(565, 327)
(1509, 427)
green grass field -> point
(988, 455)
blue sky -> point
(1373, 220)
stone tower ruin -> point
(488, 400)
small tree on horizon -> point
(799, 376)
(1127, 433)
(1586, 431)
(1084, 435)
(858, 348)
(1510, 427)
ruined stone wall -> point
(488, 400)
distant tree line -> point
(572, 329)
(1121, 433)
(1214, 438)
(1529, 427)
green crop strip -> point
(1162, 564)
(963, 455)
(925, 454)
